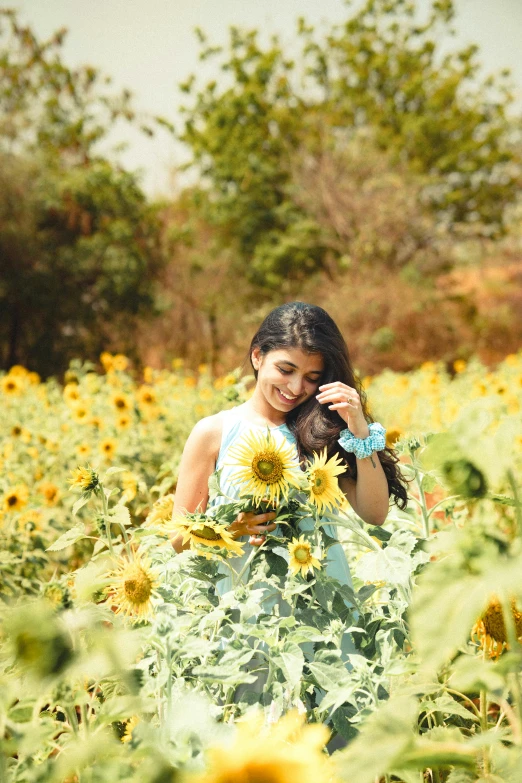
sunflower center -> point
(12, 500)
(320, 482)
(302, 554)
(207, 533)
(268, 467)
(493, 620)
(138, 588)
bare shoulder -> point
(206, 434)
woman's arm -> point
(198, 462)
(368, 495)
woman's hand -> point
(347, 403)
(250, 524)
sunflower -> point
(31, 520)
(71, 393)
(108, 447)
(120, 362)
(84, 479)
(146, 395)
(203, 531)
(96, 422)
(130, 485)
(12, 384)
(130, 725)
(107, 361)
(80, 412)
(266, 469)
(392, 436)
(120, 401)
(132, 587)
(283, 752)
(491, 629)
(83, 449)
(161, 512)
(323, 488)
(50, 492)
(123, 421)
(16, 497)
(301, 558)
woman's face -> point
(287, 377)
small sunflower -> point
(491, 629)
(50, 492)
(12, 385)
(266, 470)
(161, 512)
(133, 585)
(146, 395)
(80, 412)
(301, 558)
(84, 479)
(123, 421)
(121, 402)
(130, 485)
(284, 752)
(71, 393)
(392, 436)
(108, 447)
(31, 520)
(323, 487)
(203, 531)
(16, 497)
(106, 359)
(120, 362)
(83, 450)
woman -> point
(306, 393)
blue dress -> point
(235, 425)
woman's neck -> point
(261, 412)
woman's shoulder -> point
(209, 429)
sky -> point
(149, 47)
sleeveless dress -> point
(235, 425)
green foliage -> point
(381, 74)
(79, 244)
(79, 256)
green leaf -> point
(390, 731)
(292, 663)
(80, 503)
(68, 538)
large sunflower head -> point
(323, 487)
(283, 752)
(264, 468)
(204, 534)
(132, 587)
(491, 629)
(84, 479)
(301, 557)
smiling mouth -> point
(286, 397)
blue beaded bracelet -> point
(364, 447)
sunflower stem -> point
(255, 550)
(106, 519)
(518, 501)
(511, 630)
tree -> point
(79, 244)
(380, 72)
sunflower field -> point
(122, 660)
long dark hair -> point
(312, 330)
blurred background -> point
(170, 171)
